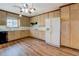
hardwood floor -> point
(34, 47)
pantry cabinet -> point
(70, 26)
(65, 26)
(74, 10)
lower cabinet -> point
(42, 35)
(37, 34)
(13, 35)
(24, 33)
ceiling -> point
(40, 7)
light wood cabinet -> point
(17, 34)
(65, 33)
(65, 26)
(12, 15)
(41, 35)
(70, 26)
(11, 35)
(24, 33)
(56, 13)
(75, 34)
(41, 19)
(65, 13)
(24, 21)
(3, 18)
(74, 10)
(33, 33)
(51, 15)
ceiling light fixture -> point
(26, 8)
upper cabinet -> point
(12, 15)
(3, 17)
(24, 21)
(74, 10)
(65, 13)
(57, 13)
(42, 18)
(51, 15)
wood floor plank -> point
(34, 47)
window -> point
(12, 23)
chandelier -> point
(27, 9)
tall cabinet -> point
(70, 26)
(65, 26)
(74, 10)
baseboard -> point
(69, 47)
(26, 37)
(35, 38)
(18, 39)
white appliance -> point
(53, 31)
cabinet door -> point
(51, 15)
(17, 34)
(56, 13)
(11, 35)
(75, 34)
(26, 33)
(41, 34)
(32, 32)
(41, 19)
(65, 13)
(65, 26)
(3, 18)
(24, 21)
(65, 33)
(75, 26)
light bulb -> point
(23, 10)
(26, 10)
(32, 10)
